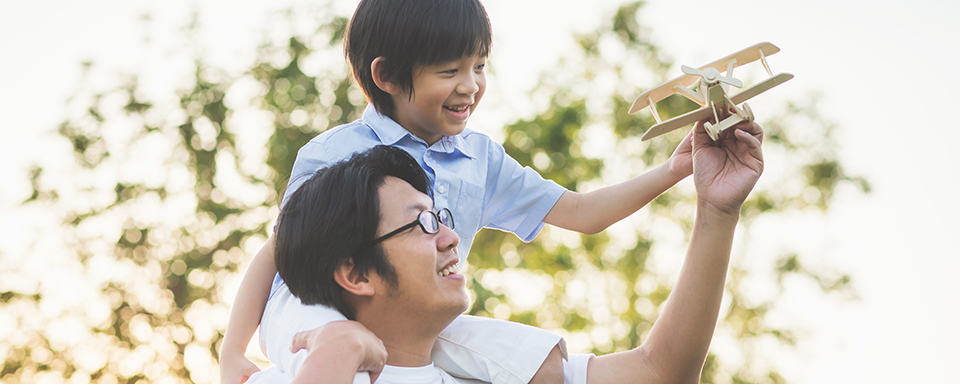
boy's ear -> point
(353, 281)
(377, 70)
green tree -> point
(166, 198)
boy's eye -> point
(450, 71)
(480, 67)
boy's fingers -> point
(299, 342)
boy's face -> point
(444, 97)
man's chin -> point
(461, 307)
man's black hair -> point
(333, 217)
(408, 34)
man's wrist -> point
(707, 210)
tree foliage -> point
(166, 198)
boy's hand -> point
(341, 340)
(681, 161)
(235, 368)
(727, 169)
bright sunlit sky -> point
(883, 68)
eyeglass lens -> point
(431, 221)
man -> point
(363, 236)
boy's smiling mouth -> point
(456, 108)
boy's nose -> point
(469, 85)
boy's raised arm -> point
(245, 316)
(594, 211)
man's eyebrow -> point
(418, 207)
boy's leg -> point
(496, 351)
(284, 317)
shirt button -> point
(440, 188)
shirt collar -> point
(386, 129)
(390, 133)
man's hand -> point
(339, 348)
(235, 368)
(727, 169)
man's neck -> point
(408, 339)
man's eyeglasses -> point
(428, 221)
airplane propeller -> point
(711, 76)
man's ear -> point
(377, 70)
(353, 281)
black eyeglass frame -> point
(437, 217)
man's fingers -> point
(700, 136)
(752, 128)
(752, 141)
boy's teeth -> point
(457, 109)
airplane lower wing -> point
(760, 87)
(677, 122)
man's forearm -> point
(677, 345)
(679, 340)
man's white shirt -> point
(574, 372)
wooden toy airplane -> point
(719, 109)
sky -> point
(883, 70)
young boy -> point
(421, 64)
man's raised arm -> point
(724, 173)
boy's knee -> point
(551, 371)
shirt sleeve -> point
(575, 369)
(517, 198)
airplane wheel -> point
(749, 112)
(715, 135)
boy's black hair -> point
(333, 217)
(411, 33)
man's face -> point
(423, 262)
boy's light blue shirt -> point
(483, 187)
(471, 174)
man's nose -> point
(447, 239)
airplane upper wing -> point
(743, 56)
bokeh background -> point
(144, 145)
